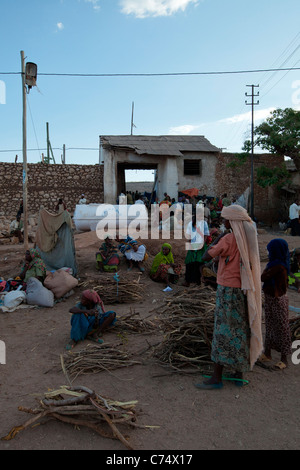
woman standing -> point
(275, 278)
(197, 232)
(237, 338)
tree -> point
(280, 134)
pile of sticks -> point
(95, 359)
(188, 322)
(133, 323)
(82, 407)
(112, 292)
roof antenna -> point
(132, 124)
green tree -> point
(280, 134)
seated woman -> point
(294, 274)
(89, 318)
(33, 266)
(107, 259)
(163, 267)
(136, 255)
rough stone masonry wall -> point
(46, 184)
(234, 181)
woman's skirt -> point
(82, 326)
(231, 338)
(163, 273)
(278, 335)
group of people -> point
(231, 257)
(237, 340)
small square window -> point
(192, 167)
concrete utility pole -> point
(25, 176)
(252, 104)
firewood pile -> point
(80, 406)
(188, 322)
(111, 291)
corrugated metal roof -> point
(168, 145)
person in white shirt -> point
(197, 232)
(136, 256)
(294, 218)
(82, 200)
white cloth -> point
(82, 201)
(196, 234)
(294, 211)
(138, 255)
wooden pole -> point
(25, 176)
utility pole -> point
(252, 104)
(25, 176)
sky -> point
(185, 64)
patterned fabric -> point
(162, 273)
(278, 336)
(37, 267)
(231, 339)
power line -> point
(156, 74)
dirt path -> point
(262, 415)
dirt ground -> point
(262, 415)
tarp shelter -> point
(54, 239)
(193, 192)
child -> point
(89, 318)
(275, 278)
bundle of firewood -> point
(188, 322)
(80, 406)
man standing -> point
(294, 218)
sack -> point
(14, 298)
(37, 294)
(60, 282)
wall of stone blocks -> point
(47, 183)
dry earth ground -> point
(264, 414)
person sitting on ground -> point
(33, 266)
(163, 267)
(89, 319)
(136, 255)
(107, 258)
(16, 229)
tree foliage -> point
(280, 134)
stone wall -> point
(48, 183)
(234, 181)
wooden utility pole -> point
(25, 176)
(252, 147)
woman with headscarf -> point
(107, 258)
(275, 279)
(163, 268)
(33, 266)
(237, 338)
(89, 318)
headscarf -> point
(245, 234)
(92, 296)
(36, 261)
(278, 254)
(160, 258)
